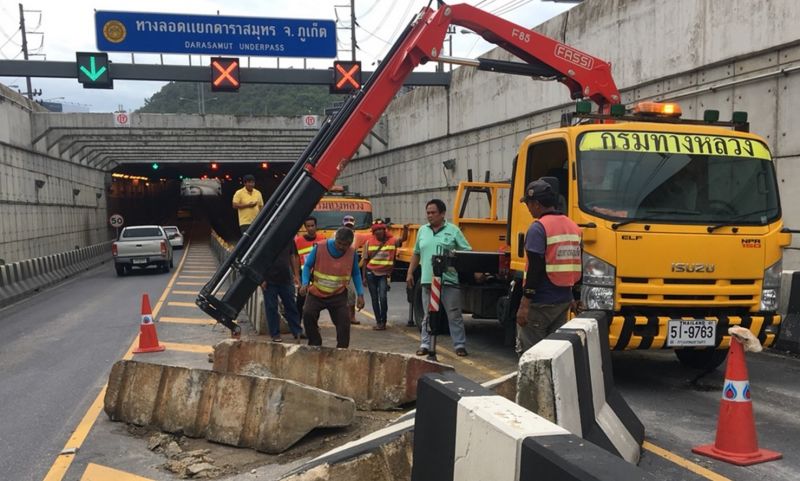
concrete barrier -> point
(23, 278)
(567, 379)
(375, 380)
(465, 432)
(384, 455)
(266, 414)
(789, 308)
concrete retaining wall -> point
(707, 54)
(47, 204)
(23, 278)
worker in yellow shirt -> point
(247, 201)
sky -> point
(66, 27)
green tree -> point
(252, 99)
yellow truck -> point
(336, 204)
(681, 226)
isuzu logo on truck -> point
(687, 267)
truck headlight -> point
(597, 298)
(597, 290)
(771, 287)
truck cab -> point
(334, 206)
(681, 223)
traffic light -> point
(155, 166)
(346, 77)
(94, 70)
(225, 74)
(264, 165)
(214, 166)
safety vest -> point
(304, 247)
(331, 275)
(381, 255)
(563, 254)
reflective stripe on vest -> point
(381, 258)
(331, 274)
(563, 254)
(304, 247)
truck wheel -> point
(706, 359)
(166, 266)
(120, 269)
(171, 263)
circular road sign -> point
(116, 220)
(122, 119)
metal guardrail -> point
(254, 309)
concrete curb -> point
(465, 432)
(789, 308)
(567, 379)
(24, 278)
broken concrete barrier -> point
(262, 413)
(375, 380)
(384, 455)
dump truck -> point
(669, 274)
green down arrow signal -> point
(93, 74)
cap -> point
(537, 190)
(378, 225)
(348, 220)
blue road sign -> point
(214, 35)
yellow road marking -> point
(190, 293)
(194, 277)
(199, 271)
(179, 346)
(63, 461)
(96, 472)
(448, 353)
(188, 320)
(683, 462)
(190, 283)
(181, 304)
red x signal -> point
(346, 77)
(224, 74)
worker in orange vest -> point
(553, 249)
(379, 255)
(335, 266)
(304, 243)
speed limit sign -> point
(116, 220)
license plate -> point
(694, 332)
(140, 261)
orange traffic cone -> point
(736, 440)
(148, 339)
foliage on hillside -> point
(261, 99)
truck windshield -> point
(670, 185)
(332, 219)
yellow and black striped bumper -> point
(650, 332)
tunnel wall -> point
(68, 211)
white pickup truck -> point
(141, 246)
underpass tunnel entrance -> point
(186, 193)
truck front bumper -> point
(650, 332)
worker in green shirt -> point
(432, 238)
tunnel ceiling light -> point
(264, 165)
(214, 166)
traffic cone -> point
(148, 339)
(736, 441)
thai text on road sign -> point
(214, 35)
